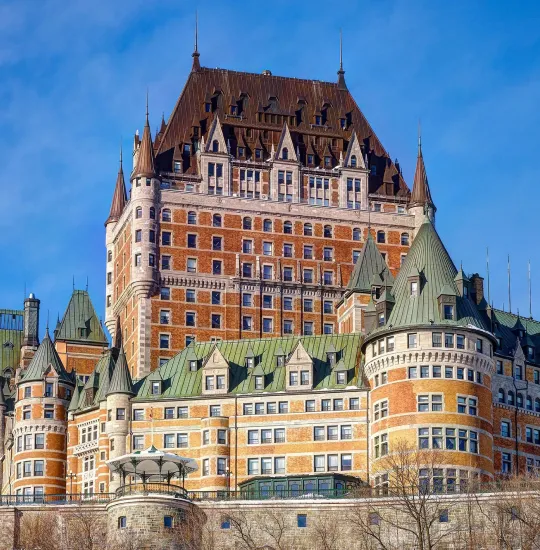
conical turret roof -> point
(145, 161)
(421, 193)
(121, 379)
(369, 265)
(119, 198)
(429, 257)
(74, 403)
(46, 356)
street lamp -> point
(71, 477)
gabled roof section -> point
(216, 134)
(369, 266)
(286, 142)
(181, 382)
(119, 200)
(215, 359)
(354, 149)
(121, 378)
(421, 194)
(80, 322)
(429, 256)
(45, 357)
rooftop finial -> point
(147, 113)
(341, 72)
(196, 64)
(419, 138)
(121, 156)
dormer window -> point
(215, 146)
(381, 319)
(332, 358)
(448, 312)
(530, 353)
(285, 154)
(353, 161)
(207, 107)
(280, 361)
(328, 162)
(343, 123)
(250, 362)
(414, 288)
(193, 364)
(318, 120)
(156, 388)
(234, 110)
(259, 382)
(258, 154)
(241, 152)
(465, 291)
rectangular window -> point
(168, 441)
(437, 339)
(319, 463)
(411, 340)
(460, 341)
(354, 404)
(215, 410)
(191, 265)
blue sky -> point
(74, 77)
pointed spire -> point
(421, 194)
(341, 73)
(196, 63)
(121, 379)
(119, 197)
(145, 160)
(46, 356)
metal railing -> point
(78, 498)
(152, 488)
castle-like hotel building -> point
(282, 311)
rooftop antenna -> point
(509, 287)
(196, 49)
(530, 290)
(340, 50)
(487, 271)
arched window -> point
(356, 234)
(216, 220)
(328, 231)
(215, 146)
(166, 215)
(520, 400)
(138, 212)
(353, 161)
(381, 237)
(308, 230)
(405, 239)
(502, 398)
(152, 213)
(109, 256)
(537, 404)
(287, 228)
(285, 153)
(246, 223)
(192, 218)
(529, 403)
(267, 226)
(510, 397)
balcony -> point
(85, 447)
(152, 489)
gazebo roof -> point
(152, 464)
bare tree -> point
(326, 534)
(415, 510)
(39, 530)
(85, 528)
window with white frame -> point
(467, 405)
(380, 409)
(250, 183)
(430, 402)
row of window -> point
(519, 372)
(29, 442)
(89, 433)
(508, 398)
(266, 435)
(30, 468)
(448, 372)
(48, 411)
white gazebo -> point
(155, 469)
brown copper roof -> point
(257, 95)
(145, 160)
(119, 198)
(421, 193)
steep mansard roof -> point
(45, 357)
(80, 322)
(504, 326)
(429, 258)
(369, 265)
(179, 381)
(11, 338)
(257, 95)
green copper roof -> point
(121, 378)
(11, 338)
(74, 403)
(179, 381)
(506, 326)
(80, 322)
(44, 357)
(428, 256)
(369, 268)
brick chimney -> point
(477, 288)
